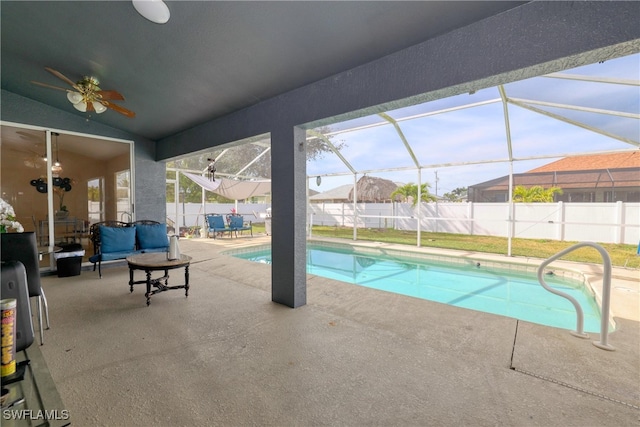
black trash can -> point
(69, 260)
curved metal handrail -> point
(606, 293)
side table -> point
(157, 261)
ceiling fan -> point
(87, 95)
(30, 157)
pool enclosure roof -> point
(468, 138)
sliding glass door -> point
(59, 183)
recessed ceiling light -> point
(154, 10)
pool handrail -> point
(606, 294)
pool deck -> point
(352, 356)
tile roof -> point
(627, 159)
(624, 178)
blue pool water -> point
(481, 288)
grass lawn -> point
(621, 255)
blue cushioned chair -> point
(113, 240)
(152, 237)
(114, 243)
(216, 225)
(236, 223)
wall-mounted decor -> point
(60, 186)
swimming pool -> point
(499, 288)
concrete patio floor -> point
(352, 356)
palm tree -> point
(457, 195)
(535, 194)
(411, 191)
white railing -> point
(606, 294)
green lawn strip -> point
(621, 255)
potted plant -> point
(8, 218)
(60, 190)
(62, 213)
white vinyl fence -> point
(192, 214)
(597, 222)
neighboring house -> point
(335, 195)
(591, 178)
(369, 190)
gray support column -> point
(288, 241)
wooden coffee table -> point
(157, 261)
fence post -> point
(619, 229)
(560, 220)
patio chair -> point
(216, 225)
(23, 247)
(236, 223)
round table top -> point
(157, 260)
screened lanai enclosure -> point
(575, 134)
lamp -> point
(56, 169)
(99, 107)
(74, 97)
(81, 100)
(153, 10)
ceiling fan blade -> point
(118, 108)
(61, 76)
(50, 86)
(110, 95)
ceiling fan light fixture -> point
(80, 106)
(153, 10)
(87, 96)
(74, 97)
(99, 107)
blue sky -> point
(478, 133)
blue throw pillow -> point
(152, 236)
(117, 239)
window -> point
(95, 197)
(123, 195)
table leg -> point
(186, 280)
(40, 234)
(130, 279)
(148, 294)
